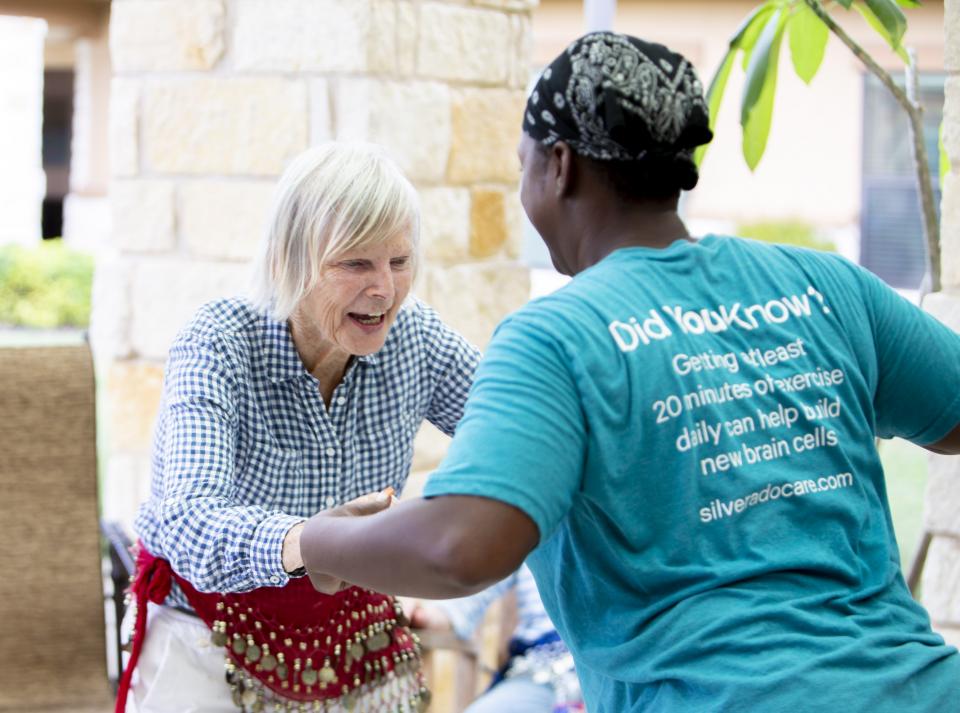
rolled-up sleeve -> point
(209, 539)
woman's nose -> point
(382, 285)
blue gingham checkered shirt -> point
(245, 447)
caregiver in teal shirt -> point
(683, 437)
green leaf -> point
(808, 42)
(744, 37)
(944, 158)
(846, 3)
(737, 39)
(760, 60)
(891, 17)
(714, 96)
(756, 110)
(881, 30)
(752, 28)
(909, 3)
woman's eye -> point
(400, 262)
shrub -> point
(45, 286)
(787, 232)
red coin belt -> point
(292, 647)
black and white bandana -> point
(615, 97)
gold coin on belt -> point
(424, 701)
(378, 641)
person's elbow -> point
(469, 558)
(949, 445)
(463, 566)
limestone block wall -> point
(209, 100)
(22, 182)
(941, 577)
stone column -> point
(209, 100)
(941, 576)
(22, 183)
(87, 208)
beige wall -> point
(812, 167)
(941, 576)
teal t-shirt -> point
(692, 430)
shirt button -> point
(331, 501)
(331, 452)
(275, 579)
(341, 400)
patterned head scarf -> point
(615, 97)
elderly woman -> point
(300, 400)
(683, 435)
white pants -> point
(181, 671)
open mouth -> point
(368, 320)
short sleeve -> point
(522, 439)
(918, 361)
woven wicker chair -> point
(51, 594)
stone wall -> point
(941, 576)
(209, 100)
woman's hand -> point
(368, 504)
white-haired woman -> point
(306, 397)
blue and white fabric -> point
(538, 658)
(245, 446)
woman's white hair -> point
(332, 198)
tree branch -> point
(899, 94)
(928, 208)
(928, 211)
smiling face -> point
(358, 296)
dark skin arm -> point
(448, 546)
(949, 445)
